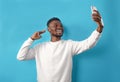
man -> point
(54, 58)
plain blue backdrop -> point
(19, 19)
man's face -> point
(55, 28)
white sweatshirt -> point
(54, 59)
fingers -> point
(96, 16)
(96, 13)
(94, 10)
(41, 32)
(37, 35)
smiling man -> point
(54, 58)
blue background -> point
(19, 19)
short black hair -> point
(52, 19)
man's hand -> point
(97, 18)
(37, 35)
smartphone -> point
(92, 10)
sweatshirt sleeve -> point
(25, 52)
(81, 46)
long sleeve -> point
(25, 52)
(80, 46)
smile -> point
(59, 31)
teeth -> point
(59, 30)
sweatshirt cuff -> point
(97, 33)
(29, 40)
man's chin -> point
(58, 35)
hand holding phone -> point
(93, 9)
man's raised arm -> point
(25, 52)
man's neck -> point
(54, 39)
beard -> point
(57, 35)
